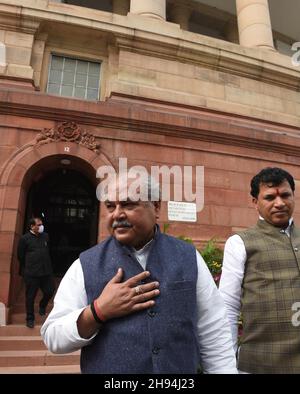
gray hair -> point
(154, 191)
(143, 188)
(149, 186)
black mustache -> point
(122, 223)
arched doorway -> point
(31, 164)
(66, 201)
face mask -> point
(41, 229)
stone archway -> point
(27, 164)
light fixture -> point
(65, 162)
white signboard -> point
(182, 211)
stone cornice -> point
(166, 40)
(17, 21)
(158, 119)
(225, 57)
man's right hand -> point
(119, 299)
(122, 298)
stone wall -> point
(168, 97)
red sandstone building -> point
(83, 83)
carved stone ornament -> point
(68, 132)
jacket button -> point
(151, 313)
(155, 350)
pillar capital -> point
(151, 8)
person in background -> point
(261, 278)
(36, 268)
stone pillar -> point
(2, 314)
(37, 57)
(180, 14)
(254, 23)
(151, 8)
(17, 38)
(121, 7)
(2, 55)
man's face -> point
(131, 222)
(275, 203)
(35, 227)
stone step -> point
(22, 351)
(21, 343)
(20, 308)
(24, 358)
(19, 330)
(46, 369)
(20, 318)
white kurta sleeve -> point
(59, 331)
(231, 281)
(214, 336)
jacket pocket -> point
(181, 285)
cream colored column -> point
(152, 8)
(37, 57)
(2, 54)
(254, 23)
(180, 14)
(121, 7)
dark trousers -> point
(33, 284)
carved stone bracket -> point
(68, 132)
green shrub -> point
(213, 255)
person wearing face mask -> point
(36, 268)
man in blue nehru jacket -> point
(140, 301)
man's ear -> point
(254, 200)
(157, 206)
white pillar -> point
(180, 14)
(254, 23)
(2, 314)
(151, 8)
(2, 54)
(121, 7)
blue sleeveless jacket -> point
(162, 339)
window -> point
(74, 78)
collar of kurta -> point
(268, 227)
